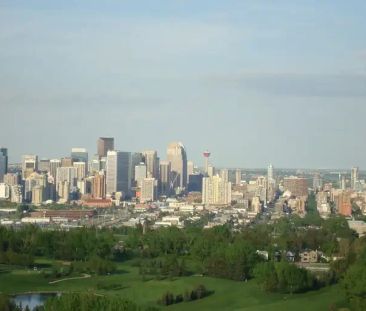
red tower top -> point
(206, 154)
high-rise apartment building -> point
(210, 171)
(99, 186)
(54, 165)
(354, 178)
(224, 174)
(29, 165)
(63, 191)
(81, 170)
(238, 177)
(164, 178)
(215, 191)
(67, 162)
(44, 165)
(148, 190)
(317, 182)
(343, 203)
(152, 163)
(12, 179)
(298, 186)
(119, 172)
(38, 195)
(68, 174)
(33, 180)
(16, 194)
(270, 175)
(4, 191)
(104, 144)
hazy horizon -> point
(253, 82)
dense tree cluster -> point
(167, 266)
(354, 282)
(283, 277)
(198, 292)
(90, 301)
(77, 244)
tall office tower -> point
(190, 168)
(152, 163)
(343, 203)
(354, 178)
(177, 157)
(29, 165)
(238, 177)
(104, 144)
(44, 165)
(3, 162)
(164, 178)
(79, 155)
(270, 174)
(68, 174)
(136, 159)
(296, 185)
(119, 172)
(34, 179)
(148, 190)
(67, 162)
(103, 163)
(99, 186)
(3, 168)
(210, 171)
(195, 182)
(317, 182)
(12, 179)
(224, 174)
(140, 174)
(4, 152)
(54, 165)
(206, 155)
(215, 191)
(81, 170)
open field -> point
(228, 295)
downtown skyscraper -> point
(176, 155)
(118, 172)
(104, 144)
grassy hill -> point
(227, 295)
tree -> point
(266, 276)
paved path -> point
(85, 276)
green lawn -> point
(228, 295)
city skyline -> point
(251, 82)
(163, 157)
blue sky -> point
(252, 81)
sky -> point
(254, 81)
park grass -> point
(227, 295)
